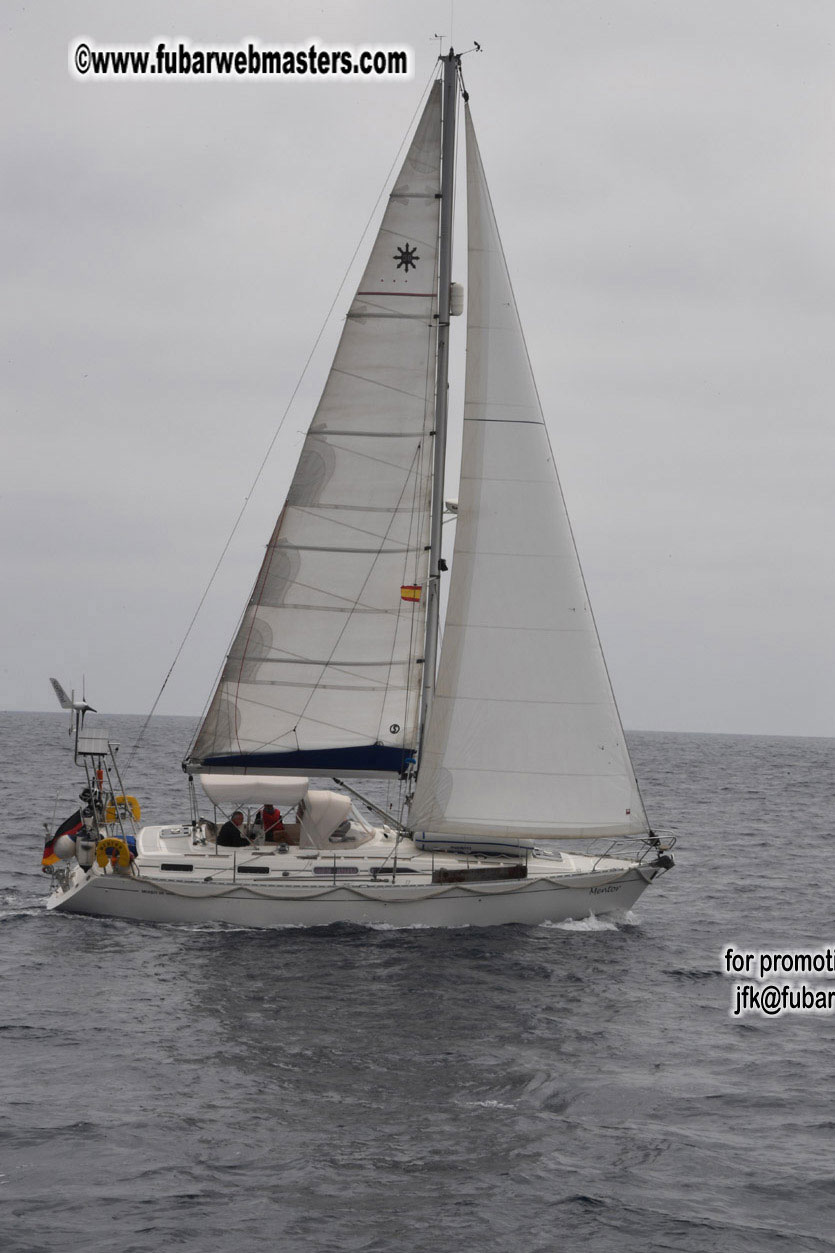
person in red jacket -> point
(270, 818)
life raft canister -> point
(113, 851)
(122, 803)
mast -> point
(433, 604)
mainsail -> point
(524, 738)
(323, 675)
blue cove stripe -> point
(370, 758)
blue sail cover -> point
(362, 761)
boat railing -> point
(640, 850)
(110, 806)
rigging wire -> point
(422, 467)
(277, 432)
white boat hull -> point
(564, 888)
(462, 905)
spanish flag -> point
(411, 591)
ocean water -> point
(519, 1088)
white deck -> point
(177, 880)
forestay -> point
(524, 737)
(323, 673)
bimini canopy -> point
(253, 789)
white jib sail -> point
(524, 737)
(323, 675)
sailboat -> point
(519, 799)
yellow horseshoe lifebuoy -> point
(123, 803)
(114, 851)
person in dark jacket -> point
(230, 834)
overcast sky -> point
(662, 172)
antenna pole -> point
(433, 605)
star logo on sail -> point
(406, 257)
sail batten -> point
(364, 474)
(524, 738)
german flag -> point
(411, 591)
(71, 827)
